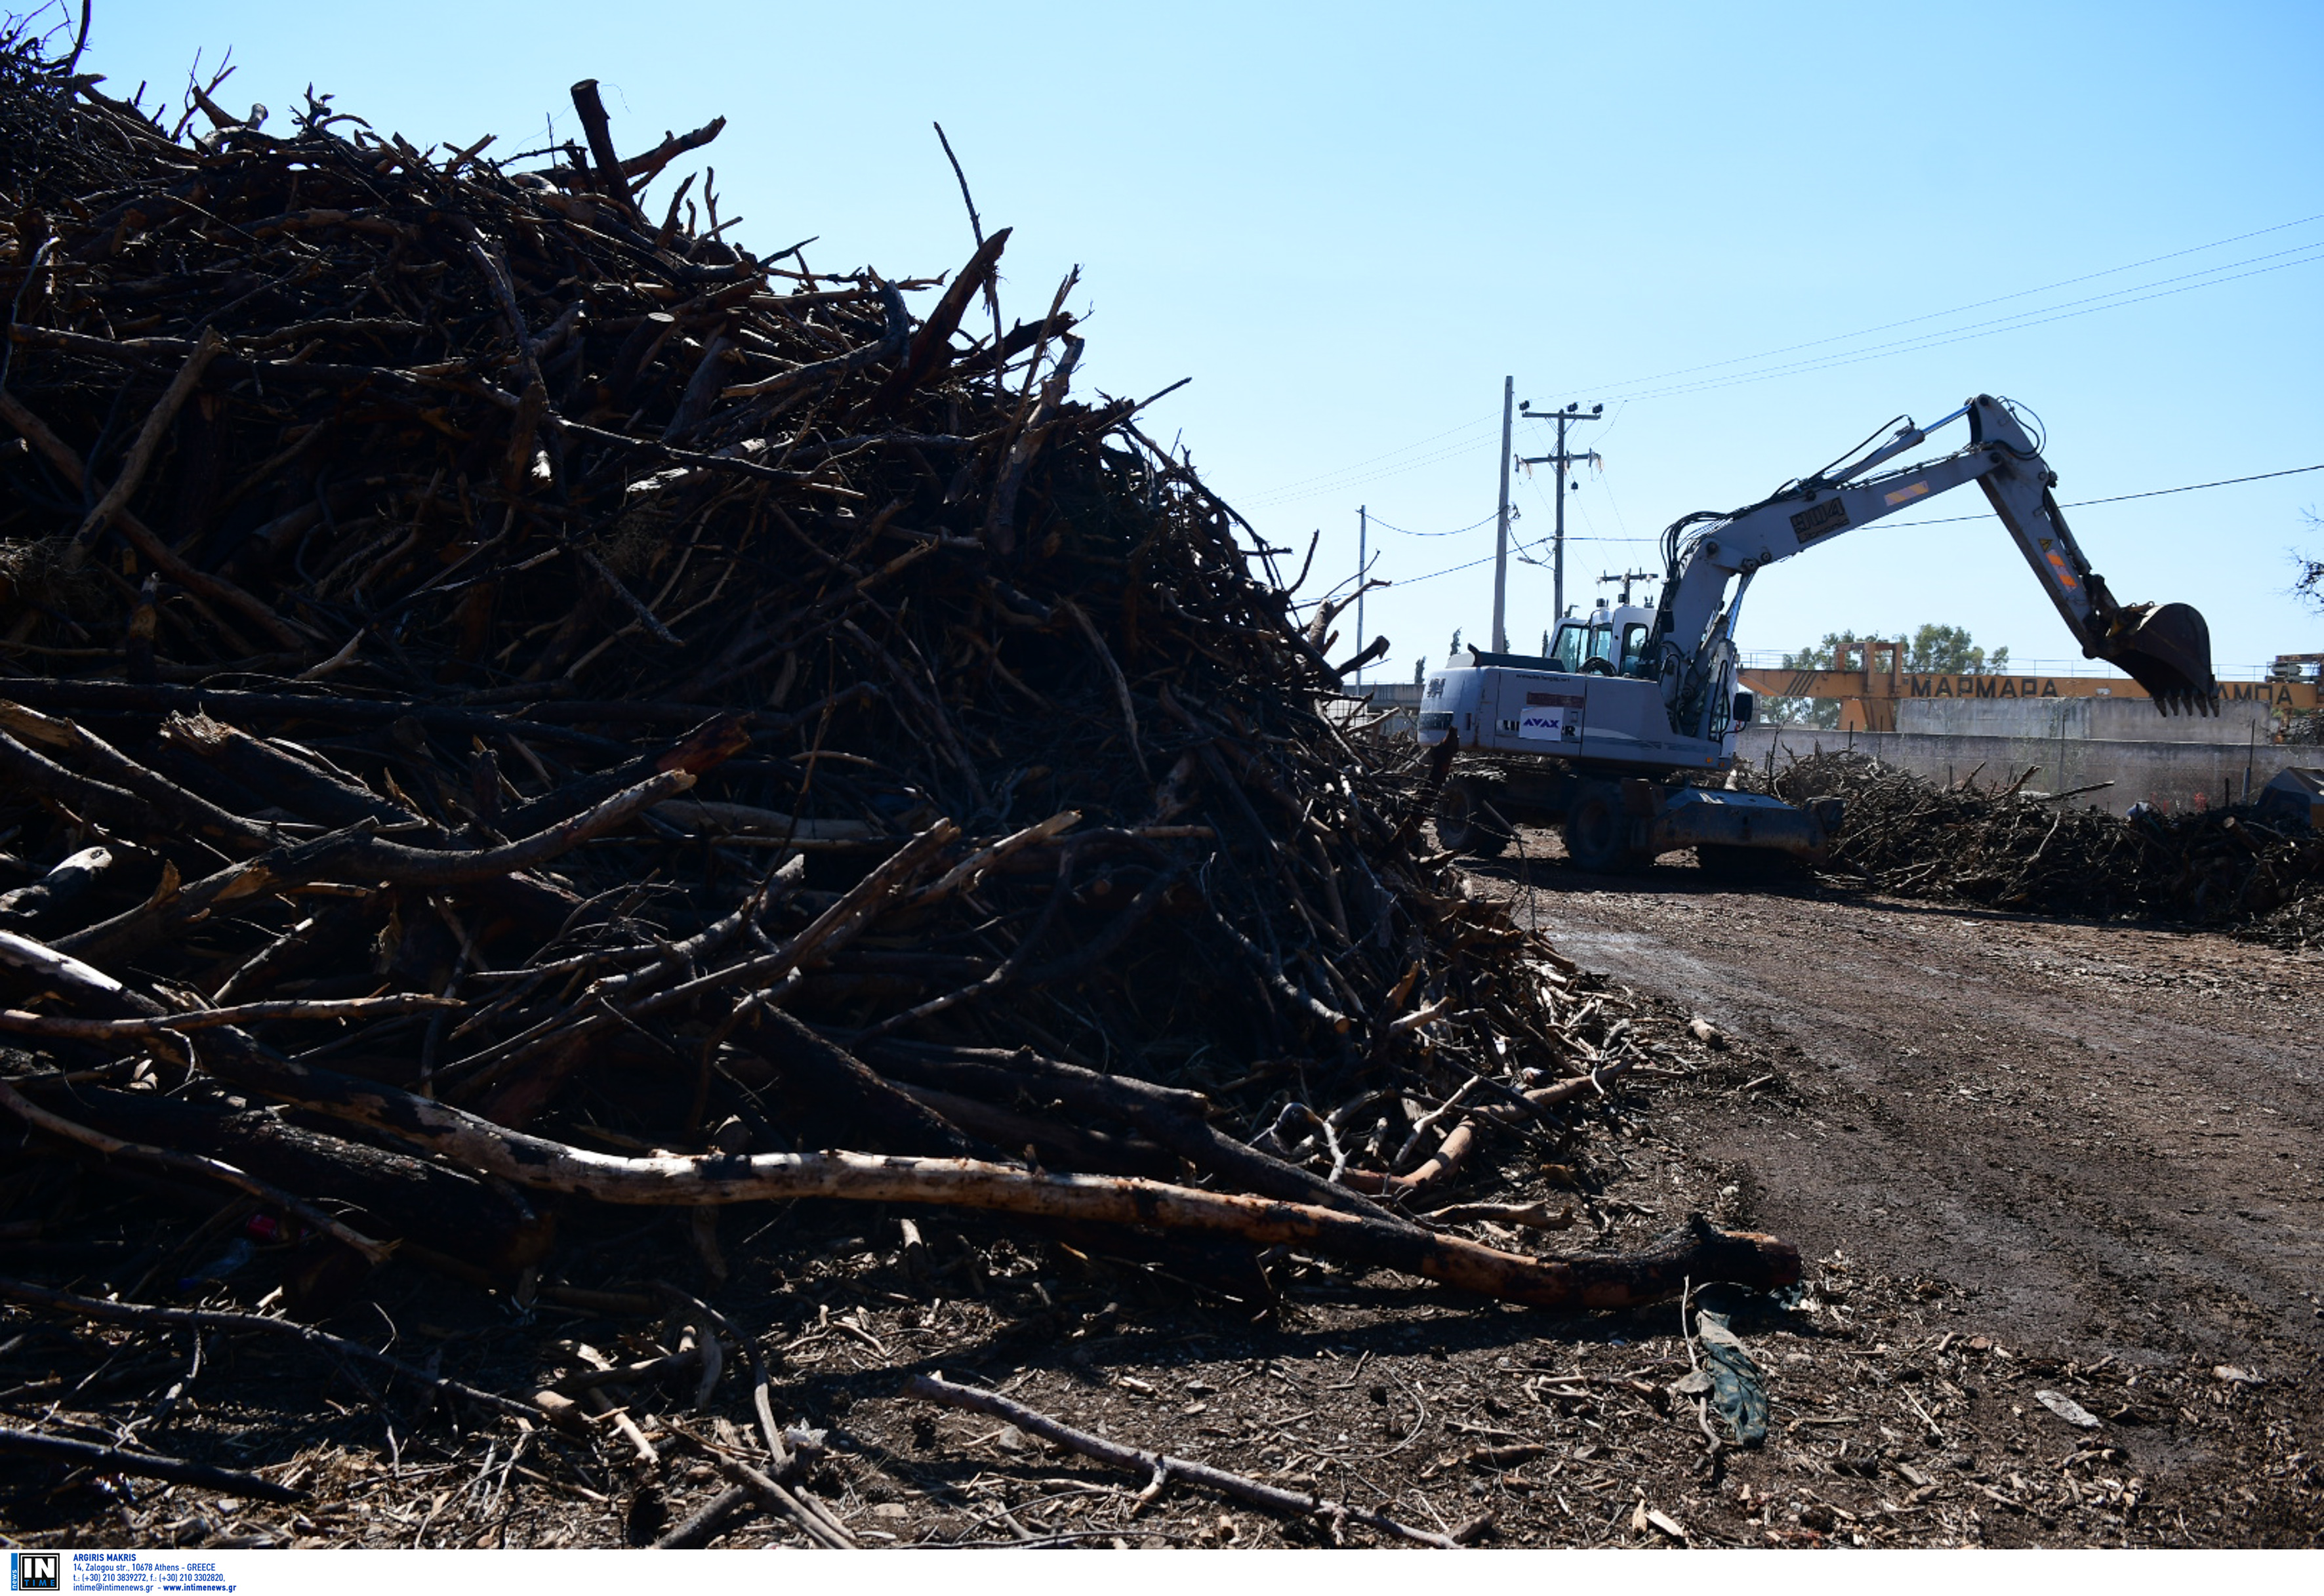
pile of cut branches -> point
(508, 699)
(2236, 868)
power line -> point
(1962, 309)
(2030, 318)
(2224, 481)
(2019, 323)
(1340, 484)
(1488, 559)
(1338, 481)
(1332, 481)
(1455, 533)
(1326, 481)
(1447, 571)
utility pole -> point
(1572, 415)
(1626, 578)
(1501, 528)
(1363, 562)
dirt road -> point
(2056, 1186)
(2093, 1128)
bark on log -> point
(150, 1316)
(827, 1072)
(305, 789)
(367, 858)
(246, 763)
(1589, 1281)
(1064, 1142)
(172, 801)
(1176, 1119)
(700, 750)
(200, 1166)
(144, 1465)
(478, 1221)
(928, 345)
(65, 884)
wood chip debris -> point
(2067, 1408)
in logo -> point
(36, 1571)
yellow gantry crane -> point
(1869, 680)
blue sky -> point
(1346, 223)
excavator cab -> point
(1610, 642)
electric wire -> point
(1329, 481)
(2224, 481)
(1356, 473)
(1488, 559)
(1961, 309)
(1944, 520)
(1469, 447)
(1343, 478)
(1455, 533)
(2031, 318)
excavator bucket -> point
(2165, 648)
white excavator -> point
(1616, 731)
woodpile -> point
(1997, 844)
(510, 700)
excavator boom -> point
(2166, 648)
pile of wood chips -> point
(2239, 868)
(509, 700)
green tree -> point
(1933, 649)
(1810, 712)
(1948, 651)
(2308, 726)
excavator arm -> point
(2166, 647)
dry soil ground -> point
(2035, 1164)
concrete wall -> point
(2115, 720)
(2174, 775)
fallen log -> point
(113, 1030)
(823, 1071)
(542, 1164)
(72, 1305)
(144, 1465)
(355, 853)
(201, 1165)
(478, 1222)
(1176, 1118)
